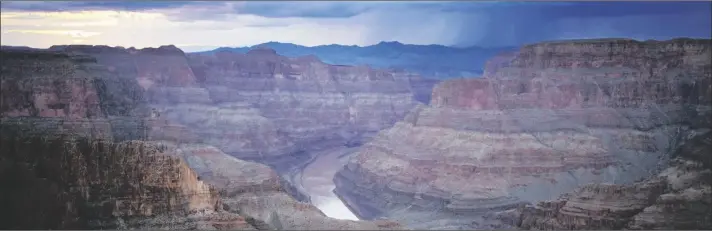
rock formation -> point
(45, 93)
(261, 105)
(546, 120)
(62, 183)
(165, 66)
(255, 191)
(55, 89)
(303, 103)
(677, 198)
(78, 106)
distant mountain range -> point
(430, 61)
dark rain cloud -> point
(478, 23)
(516, 25)
(304, 9)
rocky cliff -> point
(545, 120)
(55, 87)
(63, 183)
(165, 66)
(677, 198)
(256, 192)
(261, 105)
(293, 104)
(45, 92)
(77, 183)
(65, 113)
(60, 114)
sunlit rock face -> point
(544, 121)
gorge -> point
(208, 109)
(551, 137)
(587, 120)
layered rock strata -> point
(254, 191)
(45, 93)
(58, 183)
(61, 170)
(677, 198)
(101, 93)
(261, 105)
(551, 118)
(296, 104)
(46, 84)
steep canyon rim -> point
(542, 122)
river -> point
(317, 180)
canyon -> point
(596, 122)
(112, 95)
(557, 135)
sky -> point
(204, 25)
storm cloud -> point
(478, 23)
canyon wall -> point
(70, 110)
(295, 104)
(63, 183)
(54, 93)
(255, 191)
(63, 118)
(79, 183)
(545, 120)
(261, 105)
(677, 198)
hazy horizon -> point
(198, 26)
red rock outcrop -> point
(557, 116)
